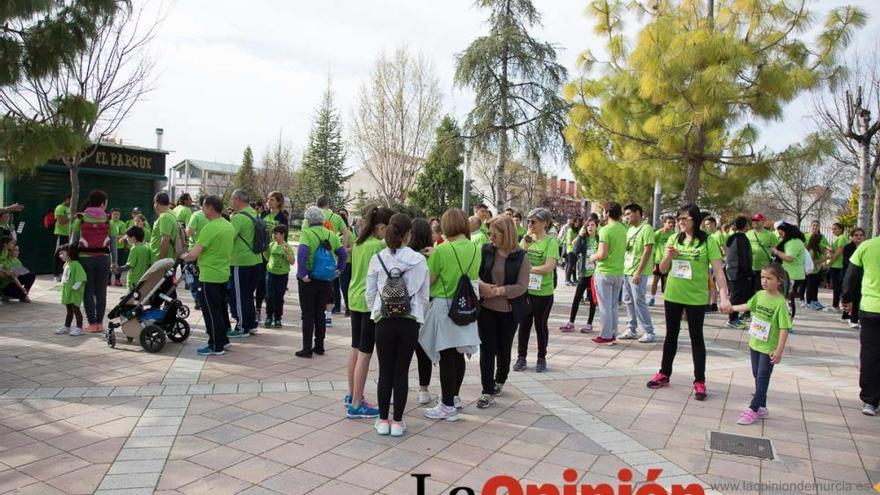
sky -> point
(231, 74)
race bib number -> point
(681, 269)
(628, 260)
(535, 281)
(759, 329)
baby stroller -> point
(149, 313)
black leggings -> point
(812, 283)
(425, 365)
(584, 286)
(794, 290)
(836, 276)
(452, 367)
(73, 311)
(541, 306)
(695, 317)
(496, 340)
(571, 267)
(395, 341)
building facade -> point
(200, 177)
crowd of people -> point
(443, 289)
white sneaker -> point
(648, 338)
(628, 336)
(869, 410)
(854, 325)
(76, 332)
(62, 331)
(424, 397)
(456, 401)
(397, 429)
(441, 411)
(383, 427)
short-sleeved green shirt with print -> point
(839, 243)
(636, 240)
(867, 256)
(196, 222)
(335, 220)
(660, 239)
(688, 279)
(183, 213)
(590, 266)
(795, 268)
(139, 257)
(818, 256)
(279, 263)
(614, 236)
(216, 240)
(166, 224)
(242, 254)
(361, 254)
(313, 236)
(479, 238)
(769, 316)
(444, 265)
(761, 243)
(539, 252)
(73, 273)
(62, 211)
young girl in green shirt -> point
(73, 285)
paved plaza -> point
(78, 417)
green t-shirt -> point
(688, 280)
(62, 211)
(539, 252)
(769, 316)
(242, 255)
(361, 254)
(570, 236)
(819, 256)
(660, 240)
(520, 233)
(444, 265)
(613, 235)
(720, 239)
(73, 273)
(761, 242)
(196, 222)
(335, 220)
(148, 231)
(138, 262)
(867, 256)
(166, 224)
(479, 238)
(313, 236)
(795, 268)
(839, 243)
(216, 240)
(118, 228)
(592, 247)
(183, 213)
(636, 240)
(279, 263)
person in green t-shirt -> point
(164, 230)
(792, 250)
(73, 287)
(689, 254)
(761, 241)
(520, 230)
(818, 250)
(213, 251)
(482, 211)
(62, 235)
(281, 256)
(862, 280)
(661, 236)
(117, 230)
(637, 269)
(834, 262)
(571, 234)
(196, 222)
(244, 266)
(477, 236)
(334, 222)
(138, 257)
(610, 262)
(768, 334)
(183, 210)
(585, 246)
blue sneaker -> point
(362, 411)
(651, 302)
(236, 334)
(207, 351)
(346, 400)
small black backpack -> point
(396, 301)
(465, 306)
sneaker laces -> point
(659, 377)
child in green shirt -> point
(117, 229)
(73, 286)
(139, 257)
(768, 333)
(281, 256)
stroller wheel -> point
(183, 312)
(152, 338)
(130, 339)
(178, 331)
(111, 338)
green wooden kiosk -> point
(130, 176)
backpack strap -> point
(387, 273)
(254, 220)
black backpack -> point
(260, 242)
(396, 301)
(465, 306)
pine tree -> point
(245, 176)
(323, 165)
(438, 186)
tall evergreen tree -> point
(439, 184)
(323, 165)
(245, 177)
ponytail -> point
(398, 226)
(375, 215)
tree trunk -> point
(863, 219)
(692, 183)
(500, 182)
(74, 188)
(876, 224)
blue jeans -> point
(241, 297)
(608, 292)
(193, 282)
(276, 286)
(762, 368)
(634, 297)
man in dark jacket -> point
(739, 270)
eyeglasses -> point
(684, 219)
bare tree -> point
(395, 120)
(113, 73)
(277, 172)
(801, 187)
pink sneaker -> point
(91, 328)
(658, 380)
(763, 412)
(587, 329)
(700, 391)
(747, 417)
(568, 327)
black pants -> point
(395, 342)
(344, 282)
(585, 286)
(95, 298)
(812, 290)
(695, 317)
(836, 276)
(740, 293)
(57, 263)
(73, 311)
(853, 317)
(425, 365)
(213, 303)
(452, 367)
(241, 296)
(541, 306)
(26, 280)
(793, 289)
(336, 291)
(276, 286)
(869, 358)
(261, 288)
(496, 340)
(571, 268)
(313, 298)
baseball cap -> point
(758, 217)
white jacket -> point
(414, 267)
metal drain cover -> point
(727, 443)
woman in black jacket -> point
(857, 236)
(739, 269)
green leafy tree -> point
(517, 80)
(850, 214)
(361, 202)
(323, 165)
(38, 40)
(439, 184)
(245, 177)
(697, 80)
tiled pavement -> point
(77, 417)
